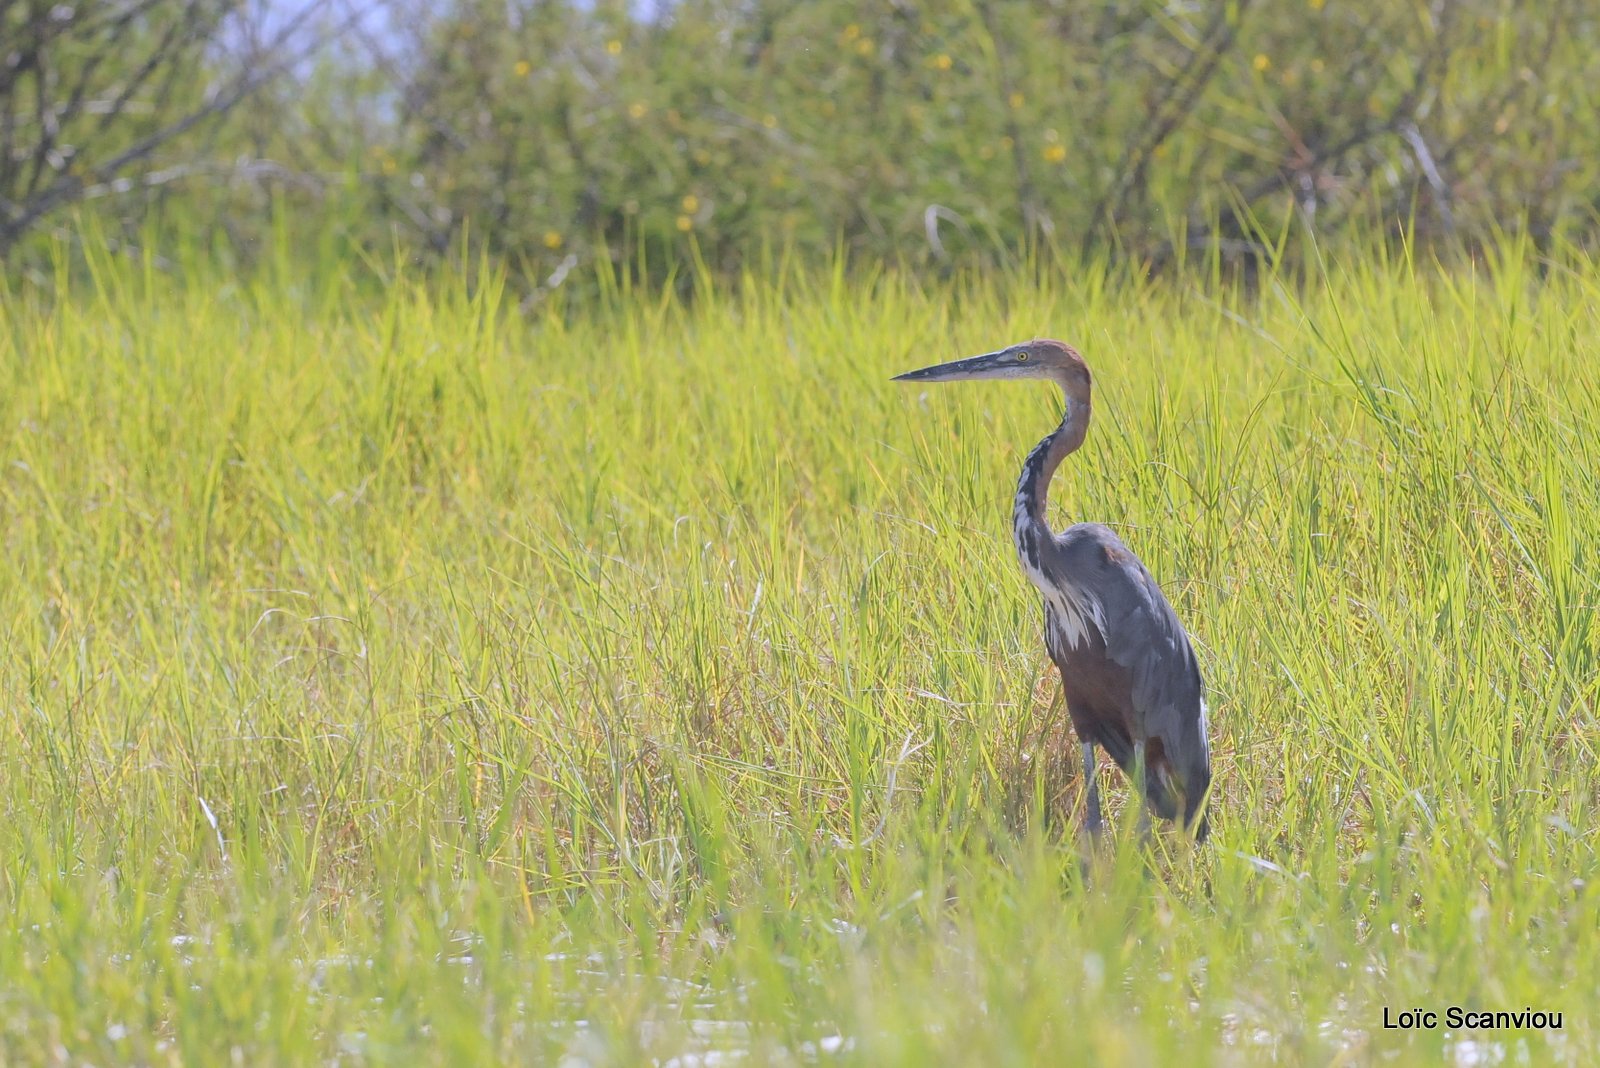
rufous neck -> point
(1033, 487)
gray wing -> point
(1142, 634)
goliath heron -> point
(1130, 677)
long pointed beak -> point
(985, 366)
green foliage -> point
(966, 131)
(396, 677)
(556, 135)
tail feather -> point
(1160, 788)
(1118, 745)
(1166, 789)
(1196, 787)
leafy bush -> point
(955, 128)
(552, 133)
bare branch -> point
(279, 55)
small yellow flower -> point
(851, 32)
(986, 152)
(637, 109)
(864, 46)
(389, 165)
(1006, 143)
(522, 68)
(1055, 153)
(943, 61)
(1316, 66)
(691, 204)
(552, 240)
(1160, 151)
(1261, 62)
(1015, 101)
(777, 180)
(770, 121)
(702, 157)
(614, 47)
(1316, 5)
(685, 224)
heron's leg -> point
(1091, 783)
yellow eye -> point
(1022, 357)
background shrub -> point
(555, 133)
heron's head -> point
(1043, 358)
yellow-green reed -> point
(393, 674)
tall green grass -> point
(391, 676)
